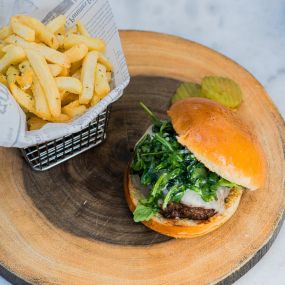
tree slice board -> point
(71, 225)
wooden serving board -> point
(71, 225)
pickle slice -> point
(222, 90)
(185, 90)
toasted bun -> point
(219, 140)
(181, 228)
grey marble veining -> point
(252, 32)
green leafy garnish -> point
(174, 190)
(169, 169)
(143, 213)
(155, 120)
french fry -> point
(62, 93)
(69, 84)
(74, 109)
(109, 76)
(21, 30)
(3, 80)
(26, 79)
(95, 99)
(55, 69)
(2, 53)
(47, 82)
(75, 66)
(68, 98)
(29, 91)
(5, 32)
(35, 123)
(103, 59)
(102, 87)
(2, 46)
(72, 30)
(24, 99)
(81, 29)
(62, 118)
(64, 71)
(53, 56)
(41, 30)
(87, 77)
(50, 54)
(24, 65)
(60, 39)
(61, 31)
(73, 104)
(76, 52)
(16, 40)
(6, 48)
(11, 74)
(13, 56)
(41, 104)
(77, 74)
(92, 43)
(56, 24)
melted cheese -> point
(192, 199)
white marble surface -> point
(250, 32)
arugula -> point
(169, 169)
(143, 213)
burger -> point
(188, 173)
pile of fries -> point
(54, 74)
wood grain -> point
(89, 201)
(50, 235)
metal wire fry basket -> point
(46, 155)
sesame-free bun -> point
(220, 140)
(180, 228)
(217, 138)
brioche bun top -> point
(220, 140)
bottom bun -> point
(181, 228)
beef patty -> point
(178, 210)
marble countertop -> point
(250, 32)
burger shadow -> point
(85, 195)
